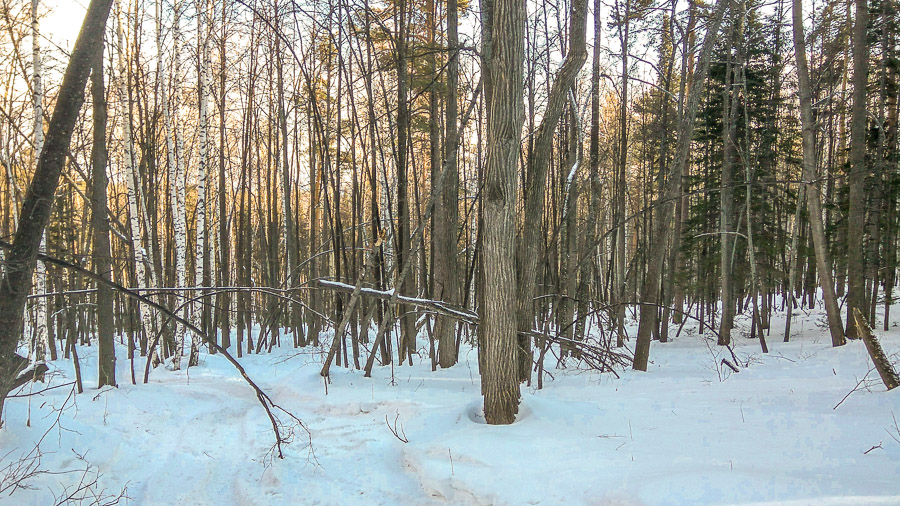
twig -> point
(858, 383)
(398, 432)
(872, 448)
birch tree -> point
(202, 256)
(141, 256)
(41, 333)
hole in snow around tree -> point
(475, 411)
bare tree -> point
(500, 381)
(672, 191)
(813, 192)
(106, 360)
(38, 200)
(856, 282)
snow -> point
(689, 431)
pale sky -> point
(63, 21)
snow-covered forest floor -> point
(689, 431)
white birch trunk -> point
(202, 168)
(176, 167)
(40, 286)
(143, 264)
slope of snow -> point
(688, 431)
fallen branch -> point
(436, 306)
(882, 364)
(858, 383)
(873, 448)
(261, 396)
(730, 365)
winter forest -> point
(441, 251)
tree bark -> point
(402, 241)
(41, 322)
(106, 349)
(202, 254)
(876, 353)
(530, 240)
(446, 212)
(499, 375)
(726, 195)
(856, 283)
(36, 206)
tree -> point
(106, 348)
(35, 211)
(498, 324)
(538, 164)
(809, 176)
(856, 286)
(42, 333)
(446, 212)
(672, 191)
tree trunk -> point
(223, 300)
(529, 243)
(446, 212)
(650, 291)
(726, 200)
(402, 242)
(42, 333)
(856, 284)
(499, 375)
(35, 212)
(876, 353)
(202, 258)
(106, 349)
(817, 228)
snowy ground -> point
(686, 432)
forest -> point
(214, 207)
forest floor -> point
(688, 431)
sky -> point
(63, 21)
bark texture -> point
(856, 220)
(499, 375)
(101, 258)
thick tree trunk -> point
(446, 212)
(499, 375)
(35, 212)
(856, 283)
(876, 353)
(402, 242)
